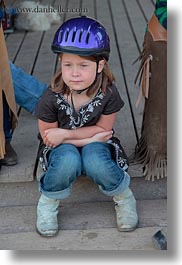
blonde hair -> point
(104, 79)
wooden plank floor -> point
(125, 22)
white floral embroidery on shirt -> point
(82, 116)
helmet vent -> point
(60, 36)
(74, 34)
(80, 36)
(87, 38)
(66, 35)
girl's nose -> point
(75, 71)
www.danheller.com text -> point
(50, 9)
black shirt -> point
(54, 107)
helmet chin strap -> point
(81, 90)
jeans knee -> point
(67, 157)
(96, 159)
(100, 167)
(64, 166)
(96, 154)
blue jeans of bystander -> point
(28, 91)
(27, 88)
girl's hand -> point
(102, 136)
(54, 136)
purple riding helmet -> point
(83, 36)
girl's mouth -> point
(75, 81)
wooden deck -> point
(125, 22)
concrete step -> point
(92, 239)
(82, 226)
(14, 194)
(82, 216)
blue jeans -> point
(27, 88)
(66, 162)
(28, 91)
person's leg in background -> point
(10, 157)
(27, 91)
(27, 88)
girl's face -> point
(79, 72)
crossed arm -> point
(101, 132)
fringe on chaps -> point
(151, 151)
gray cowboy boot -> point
(47, 211)
(126, 214)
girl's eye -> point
(84, 65)
(67, 64)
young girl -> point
(76, 115)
